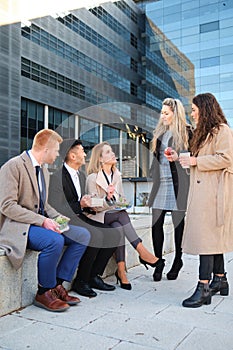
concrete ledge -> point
(18, 288)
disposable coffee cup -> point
(184, 154)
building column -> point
(46, 116)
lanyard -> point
(106, 177)
(113, 199)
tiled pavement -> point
(150, 316)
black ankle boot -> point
(157, 275)
(201, 296)
(219, 284)
(175, 269)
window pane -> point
(209, 62)
(209, 27)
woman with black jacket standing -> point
(170, 181)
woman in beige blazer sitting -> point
(104, 181)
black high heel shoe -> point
(156, 264)
(176, 267)
(126, 286)
(157, 275)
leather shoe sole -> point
(50, 302)
(42, 306)
(85, 293)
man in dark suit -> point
(66, 193)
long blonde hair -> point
(95, 164)
(178, 127)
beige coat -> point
(209, 218)
(19, 203)
(96, 185)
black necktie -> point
(42, 190)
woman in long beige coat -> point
(104, 181)
(209, 220)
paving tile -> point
(75, 317)
(207, 340)
(39, 336)
(10, 323)
(205, 317)
(150, 316)
(156, 332)
(131, 346)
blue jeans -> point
(50, 244)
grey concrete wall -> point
(17, 287)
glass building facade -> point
(202, 30)
(101, 73)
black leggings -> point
(121, 220)
(211, 264)
(158, 216)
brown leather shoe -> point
(50, 301)
(64, 296)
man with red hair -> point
(27, 221)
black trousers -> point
(104, 242)
(210, 264)
(158, 216)
(120, 220)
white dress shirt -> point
(75, 178)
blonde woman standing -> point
(170, 180)
(104, 181)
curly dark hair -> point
(210, 118)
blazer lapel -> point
(67, 181)
(101, 181)
(31, 172)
